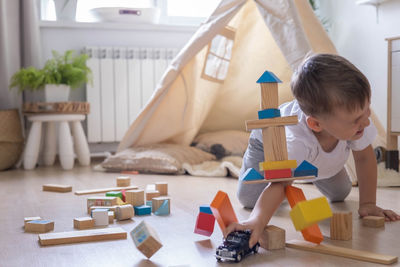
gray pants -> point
(335, 188)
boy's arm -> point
(366, 169)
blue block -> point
(251, 175)
(163, 209)
(269, 113)
(142, 210)
(268, 77)
(205, 209)
(305, 169)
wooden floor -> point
(22, 196)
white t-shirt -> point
(303, 145)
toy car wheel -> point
(238, 257)
(219, 259)
(255, 248)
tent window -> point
(218, 56)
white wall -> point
(360, 38)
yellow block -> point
(278, 165)
(309, 212)
(120, 202)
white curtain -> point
(19, 45)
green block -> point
(114, 194)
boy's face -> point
(345, 125)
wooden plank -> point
(278, 180)
(274, 143)
(82, 236)
(57, 188)
(342, 252)
(264, 123)
(103, 190)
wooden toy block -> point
(392, 160)
(120, 202)
(111, 217)
(114, 194)
(272, 238)
(269, 96)
(373, 221)
(294, 195)
(28, 219)
(305, 169)
(206, 208)
(273, 122)
(275, 180)
(268, 77)
(159, 202)
(162, 187)
(312, 233)
(101, 201)
(269, 113)
(135, 197)
(109, 208)
(124, 212)
(222, 210)
(82, 236)
(342, 226)
(204, 224)
(83, 223)
(273, 174)
(252, 175)
(123, 181)
(152, 194)
(278, 165)
(146, 239)
(342, 252)
(123, 192)
(103, 190)
(57, 188)
(142, 210)
(39, 226)
(309, 212)
(100, 217)
(274, 142)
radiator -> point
(124, 79)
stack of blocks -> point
(205, 221)
(276, 163)
(146, 239)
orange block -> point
(294, 195)
(311, 233)
(222, 210)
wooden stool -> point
(65, 144)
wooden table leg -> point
(66, 152)
(50, 144)
(32, 146)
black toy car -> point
(236, 246)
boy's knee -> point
(247, 200)
(340, 195)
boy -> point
(332, 99)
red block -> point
(204, 224)
(123, 195)
(311, 233)
(283, 173)
(222, 210)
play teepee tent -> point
(210, 85)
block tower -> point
(277, 166)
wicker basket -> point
(11, 139)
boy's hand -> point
(373, 210)
(250, 224)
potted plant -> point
(57, 77)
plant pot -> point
(65, 10)
(56, 92)
(11, 139)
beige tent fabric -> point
(270, 35)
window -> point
(184, 12)
(218, 56)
